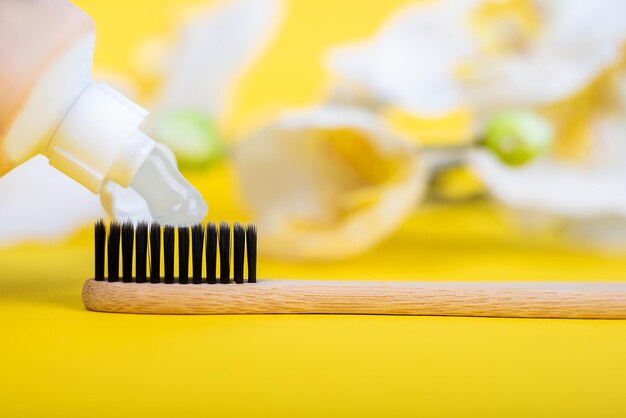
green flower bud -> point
(517, 137)
(192, 136)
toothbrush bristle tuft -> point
(144, 247)
(100, 235)
(224, 238)
(155, 253)
(239, 247)
(128, 246)
(169, 238)
(211, 253)
(183, 255)
(113, 252)
(141, 251)
(251, 241)
(197, 242)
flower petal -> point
(213, 50)
(415, 60)
(570, 190)
(328, 182)
(39, 203)
(412, 60)
(580, 39)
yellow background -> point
(56, 359)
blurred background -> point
(440, 140)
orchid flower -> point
(327, 182)
(563, 59)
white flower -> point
(214, 49)
(411, 61)
(430, 58)
(557, 57)
(39, 203)
(574, 190)
(327, 183)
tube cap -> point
(99, 139)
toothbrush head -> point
(146, 247)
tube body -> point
(37, 38)
(50, 105)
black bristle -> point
(224, 253)
(239, 248)
(141, 251)
(169, 233)
(155, 253)
(251, 247)
(197, 242)
(211, 253)
(100, 235)
(137, 241)
(113, 250)
(183, 255)
(128, 246)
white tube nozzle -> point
(99, 139)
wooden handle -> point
(493, 299)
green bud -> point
(192, 136)
(518, 137)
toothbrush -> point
(147, 292)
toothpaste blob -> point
(169, 196)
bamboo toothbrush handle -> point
(492, 299)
